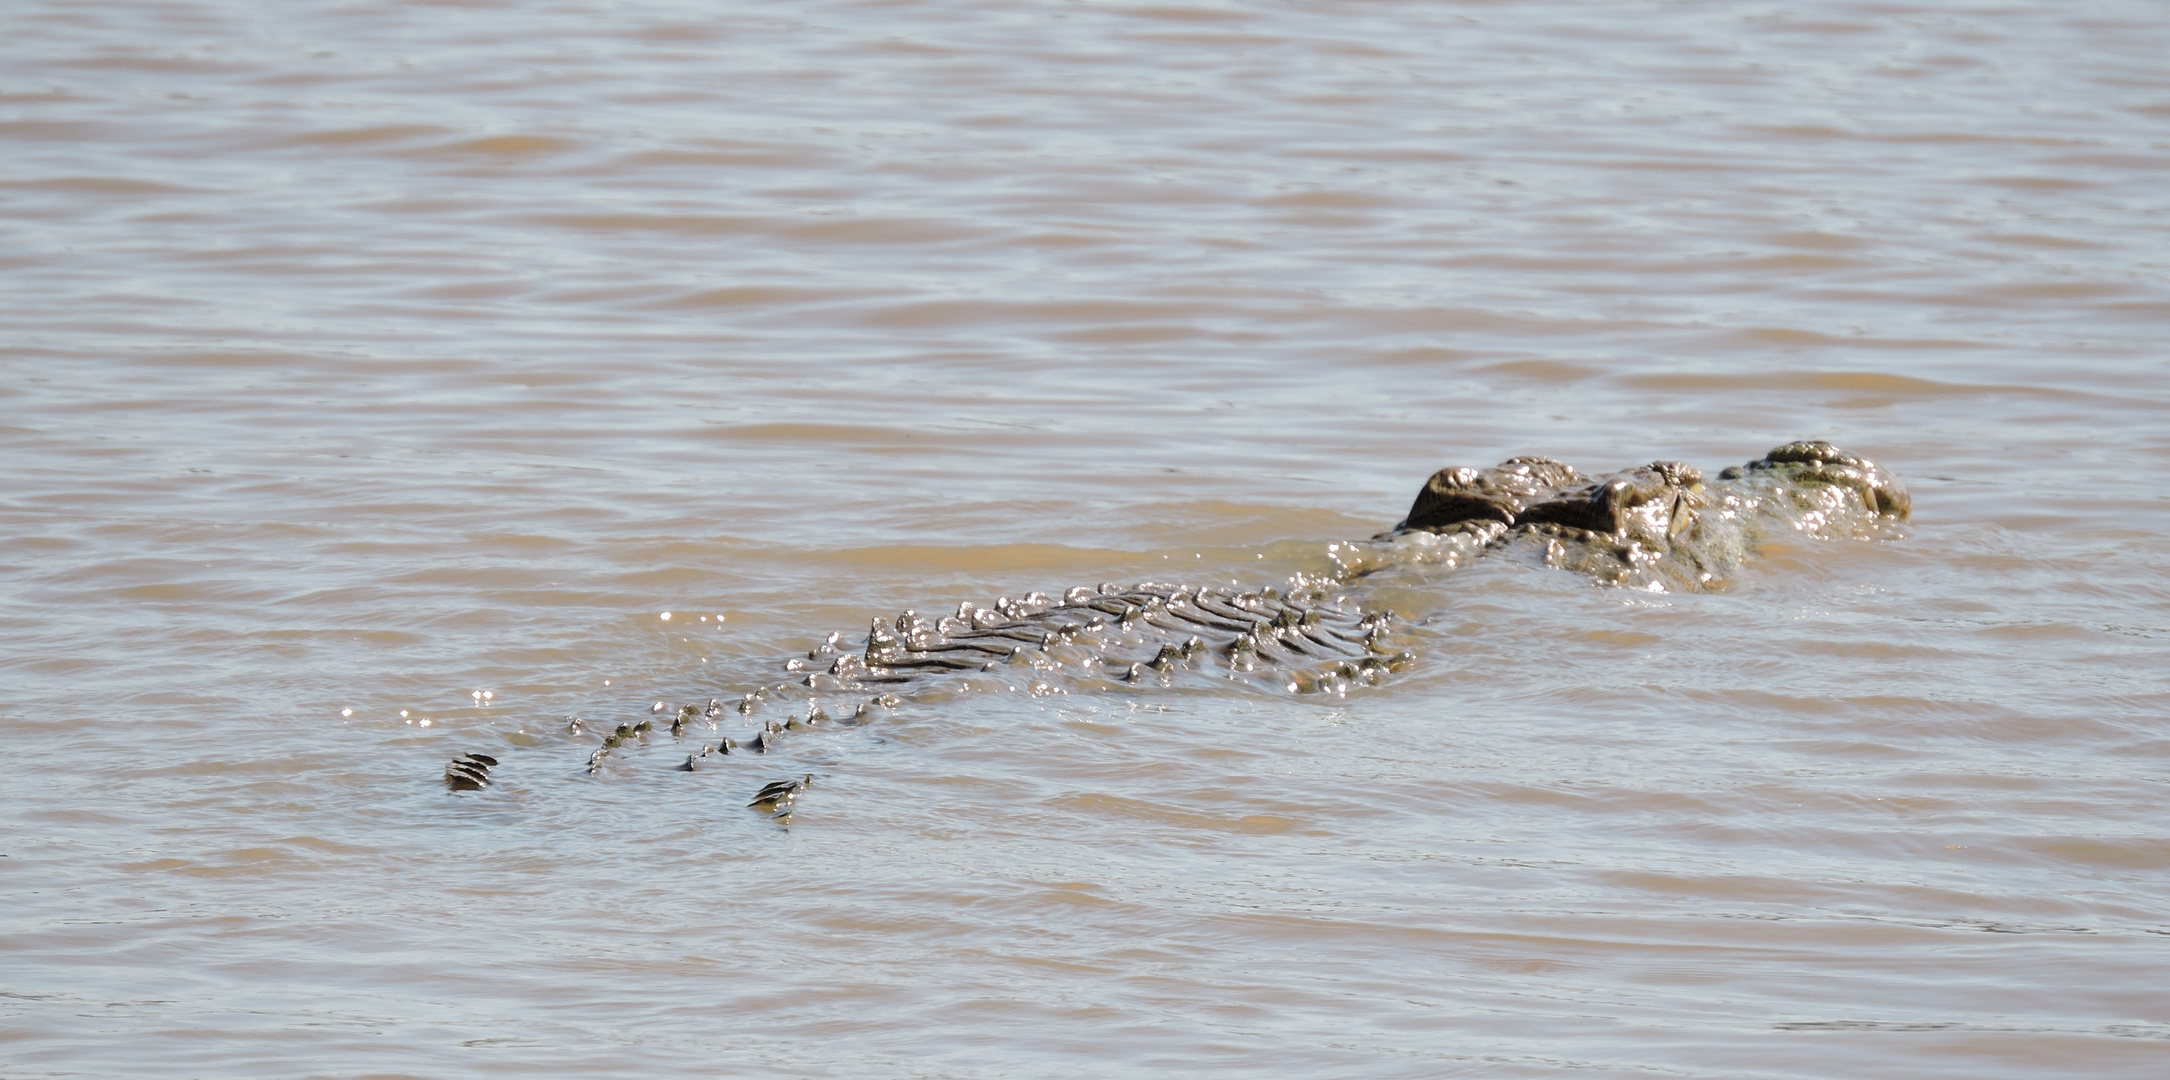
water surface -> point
(362, 357)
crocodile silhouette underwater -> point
(1658, 527)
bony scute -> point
(780, 797)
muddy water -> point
(367, 357)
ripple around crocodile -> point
(1657, 527)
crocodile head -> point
(1649, 504)
(1655, 525)
(1501, 493)
(1817, 463)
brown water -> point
(367, 356)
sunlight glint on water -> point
(376, 358)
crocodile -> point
(1658, 527)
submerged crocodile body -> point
(1658, 527)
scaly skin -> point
(1658, 527)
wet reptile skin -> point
(1659, 527)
